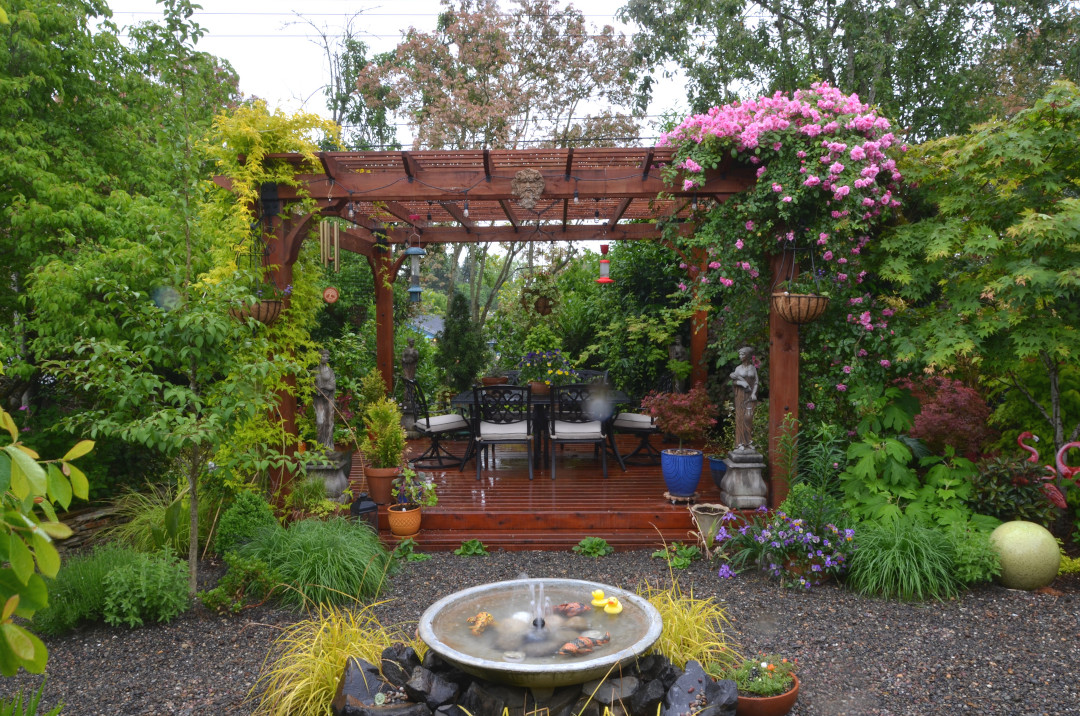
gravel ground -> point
(994, 651)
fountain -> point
(540, 633)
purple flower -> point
(725, 572)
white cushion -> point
(496, 432)
(634, 421)
(442, 423)
(563, 430)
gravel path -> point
(994, 651)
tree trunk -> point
(193, 539)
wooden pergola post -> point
(783, 385)
(384, 269)
(699, 324)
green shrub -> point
(77, 594)
(815, 508)
(678, 555)
(246, 581)
(593, 547)
(246, 517)
(323, 562)
(153, 586)
(1011, 489)
(694, 629)
(903, 559)
(18, 706)
(471, 548)
(974, 557)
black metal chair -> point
(580, 413)
(434, 427)
(501, 415)
(589, 375)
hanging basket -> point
(266, 312)
(799, 308)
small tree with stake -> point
(461, 353)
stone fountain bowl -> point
(633, 631)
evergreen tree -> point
(462, 353)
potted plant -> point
(767, 686)
(687, 416)
(543, 369)
(267, 307)
(384, 447)
(714, 453)
(412, 493)
(800, 299)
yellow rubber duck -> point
(598, 598)
(613, 606)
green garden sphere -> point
(1029, 554)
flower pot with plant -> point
(767, 686)
(800, 299)
(383, 447)
(714, 453)
(687, 416)
(543, 369)
(412, 491)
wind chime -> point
(330, 252)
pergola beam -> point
(488, 234)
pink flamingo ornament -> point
(1049, 489)
(1066, 472)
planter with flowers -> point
(800, 299)
(412, 491)
(687, 416)
(767, 686)
(543, 369)
(267, 307)
(383, 447)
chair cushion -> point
(562, 430)
(508, 432)
(634, 421)
(442, 423)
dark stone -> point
(395, 710)
(648, 696)
(586, 707)
(436, 664)
(450, 710)
(693, 692)
(483, 697)
(359, 683)
(560, 701)
(609, 691)
(725, 697)
(427, 687)
(398, 662)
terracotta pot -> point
(799, 307)
(404, 519)
(768, 705)
(493, 380)
(539, 388)
(380, 482)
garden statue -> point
(334, 471)
(677, 354)
(743, 486)
(409, 359)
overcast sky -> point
(274, 48)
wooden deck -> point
(504, 510)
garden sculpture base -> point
(743, 487)
(335, 476)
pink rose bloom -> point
(800, 154)
(776, 146)
(687, 184)
(858, 153)
(884, 363)
(841, 277)
(841, 387)
(714, 265)
(749, 226)
(727, 282)
(841, 191)
(777, 187)
(847, 369)
(841, 260)
(786, 200)
(739, 244)
(704, 279)
(682, 286)
(836, 168)
(827, 256)
(691, 165)
(761, 170)
(867, 201)
(887, 312)
(862, 353)
(811, 181)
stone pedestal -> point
(335, 476)
(743, 486)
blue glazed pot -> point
(717, 467)
(681, 472)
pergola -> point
(391, 199)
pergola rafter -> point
(468, 196)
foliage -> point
(678, 555)
(155, 519)
(247, 580)
(323, 562)
(903, 559)
(975, 559)
(406, 550)
(1011, 489)
(815, 508)
(418, 489)
(247, 516)
(384, 439)
(152, 586)
(952, 415)
(28, 706)
(1069, 565)
(822, 455)
(29, 486)
(694, 629)
(471, 548)
(936, 68)
(687, 416)
(787, 548)
(764, 675)
(593, 547)
(309, 656)
(988, 271)
(551, 367)
(77, 595)
(462, 352)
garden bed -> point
(992, 651)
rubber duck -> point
(613, 606)
(598, 598)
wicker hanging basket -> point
(799, 308)
(265, 312)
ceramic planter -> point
(380, 483)
(717, 468)
(682, 471)
(404, 519)
(768, 705)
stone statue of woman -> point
(325, 389)
(410, 357)
(744, 380)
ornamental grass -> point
(694, 629)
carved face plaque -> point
(527, 185)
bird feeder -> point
(605, 266)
